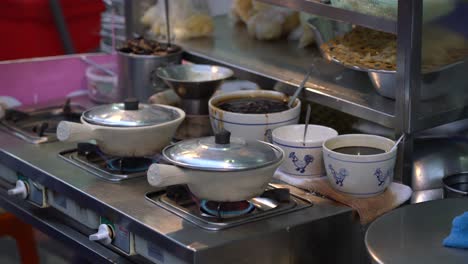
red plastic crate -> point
(27, 27)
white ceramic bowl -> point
(362, 176)
(302, 159)
(251, 126)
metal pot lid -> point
(129, 114)
(222, 153)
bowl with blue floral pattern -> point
(360, 165)
(303, 158)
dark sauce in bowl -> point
(359, 151)
(254, 105)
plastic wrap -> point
(188, 19)
(264, 21)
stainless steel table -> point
(414, 234)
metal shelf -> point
(326, 10)
(334, 86)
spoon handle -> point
(397, 143)
(306, 124)
(301, 86)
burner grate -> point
(225, 209)
(39, 125)
(115, 169)
(178, 200)
(129, 165)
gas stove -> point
(115, 169)
(59, 192)
(274, 201)
(39, 125)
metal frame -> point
(326, 10)
(408, 80)
(401, 115)
(282, 61)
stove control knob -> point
(104, 234)
(21, 189)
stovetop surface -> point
(127, 202)
(190, 208)
(38, 125)
(104, 166)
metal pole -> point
(61, 25)
(408, 80)
(168, 25)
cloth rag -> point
(458, 237)
(368, 209)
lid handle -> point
(131, 104)
(223, 137)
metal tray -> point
(433, 83)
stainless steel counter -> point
(414, 234)
(125, 204)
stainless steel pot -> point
(456, 185)
(137, 74)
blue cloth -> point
(458, 237)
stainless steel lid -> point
(129, 114)
(222, 153)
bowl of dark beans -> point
(252, 114)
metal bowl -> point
(194, 84)
(456, 185)
(194, 81)
(433, 84)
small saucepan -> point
(219, 168)
(456, 185)
(128, 129)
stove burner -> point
(40, 125)
(15, 115)
(129, 165)
(226, 209)
(89, 157)
(41, 129)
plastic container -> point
(102, 88)
(30, 21)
